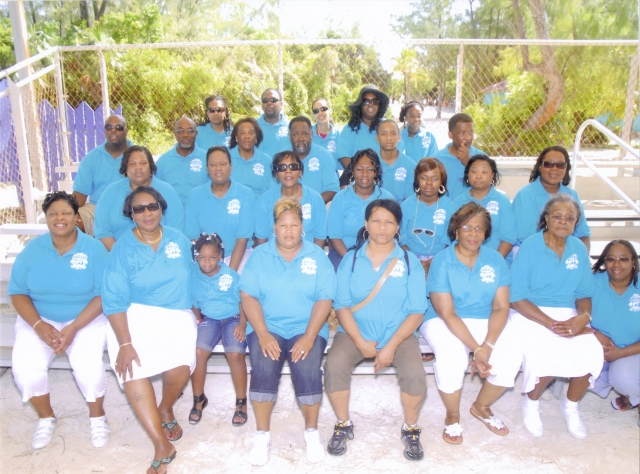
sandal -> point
(428, 357)
(198, 411)
(493, 423)
(240, 402)
(155, 464)
(170, 425)
(621, 403)
(450, 431)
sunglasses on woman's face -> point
(292, 166)
(551, 164)
(320, 109)
(216, 110)
(370, 102)
(119, 128)
(152, 206)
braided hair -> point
(228, 124)
(375, 159)
(405, 108)
(206, 239)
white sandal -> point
(451, 431)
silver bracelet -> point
(489, 343)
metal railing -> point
(612, 136)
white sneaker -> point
(44, 432)
(100, 431)
(571, 415)
(259, 454)
(531, 416)
(315, 449)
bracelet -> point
(489, 343)
(36, 323)
(588, 314)
(125, 344)
(478, 349)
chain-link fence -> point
(522, 95)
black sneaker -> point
(338, 443)
(411, 439)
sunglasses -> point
(551, 164)
(427, 232)
(119, 128)
(617, 259)
(370, 102)
(273, 100)
(291, 166)
(321, 109)
(153, 206)
(216, 110)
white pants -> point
(452, 356)
(242, 262)
(31, 358)
(623, 375)
(545, 354)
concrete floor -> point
(215, 446)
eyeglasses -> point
(427, 232)
(273, 100)
(552, 164)
(567, 219)
(469, 228)
(292, 166)
(617, 259)
(321, 109)
(189, 131)
(119, 128)
(153, 206)
(370, 102)
(216, 110)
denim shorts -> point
(305, 374)
(211, 331)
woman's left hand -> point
(612, 353)
(571, 327)
(480, 363)
(301, 348)
(240, 332)
(65, 338)
(384, 358)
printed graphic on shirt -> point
(258, 169)
(79, 261)
(426, 141)
(439, 216)
(331, 146)
(233, 207)
(172, 250)
(225, 282)
(283, 131)
(572, 262)
(306, 211)
(196, 165)
(227, 141)
(308, 266)
(398, 269)
(314, 164)
(401, 174)
(493, 207)
(634, 303)
(487, 274)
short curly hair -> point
(124, 164)
(464, 215)
(233, 142)
(50, 198)
(127, 211)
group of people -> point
(227, 245)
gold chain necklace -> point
(149, 241)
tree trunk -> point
(99, 11)
(84, 12)
(548, 69)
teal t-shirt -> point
(208, 137)
(398, 177)
(616, 316)
(422, 145)
(217, 296)
(275, 136)
(254, 173)
(417, 215)
(97, 170)
(183, 172)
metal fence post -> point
(105, 85)
(24, 164)
(627, 122)
(63, 129)
(459, 71)
(280, 71)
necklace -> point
(149, 241)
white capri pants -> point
(452, 356)
(31, 358)
(545, 354)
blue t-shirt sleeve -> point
(507, 222)
(319, 217)
(99, 264)
(417, 290)
(433, 146)
(249, 281)
(174, 215)
(585, 288)
(344, 147)
(326, 280)
(330, 180)
(343, 282)
(191, 226)
(263, 219)
(582, 228)
(505, 274)
(247, 217)
(19, 273)
(116, 292)
(521, 271)
(334, 218)
(83, 183)
(526, 214)
(101, 224)
(437, 280)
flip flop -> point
(621, 403)
(155, 464)
(170, 425)
(493, 423)
(452, 430)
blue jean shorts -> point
(211, 331)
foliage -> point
(7, 56)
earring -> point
(274, 235)
(302, 235)
(442, 189)
(493, 183)
(367, 236)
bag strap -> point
(376, 288)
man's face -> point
(115, 130)
(271, 104)
(301, 138)
(462, 134)
(185, 133)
